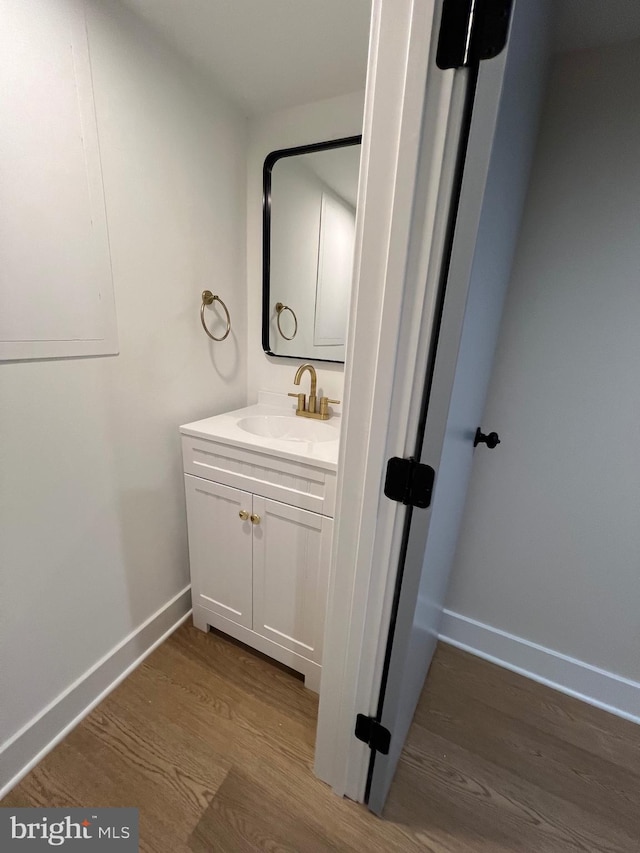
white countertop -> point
(224, 428)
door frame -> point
(412, 123)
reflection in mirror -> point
(310, 197)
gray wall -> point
(550, 544)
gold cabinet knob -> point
(244, 515)
(255, 519)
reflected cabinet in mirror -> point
(309, 211)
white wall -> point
(92, 505)
(315, 122)
(550, 542)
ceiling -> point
(268, 54)
(579, 24)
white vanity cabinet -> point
(260, 530)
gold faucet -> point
(309, 411)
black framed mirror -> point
(308, 232)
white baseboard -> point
(29, 745)
(612, 693)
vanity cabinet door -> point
(291, 553)
(220, 546)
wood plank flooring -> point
(495, 762)
(214, 744)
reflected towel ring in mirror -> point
(279, 309)
(207, 299)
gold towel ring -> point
(207, 299)
(280, 308)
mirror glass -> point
(310, 197)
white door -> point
(220, 548)
(291, 551)
(501, 138)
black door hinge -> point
(369, 730)
(409, 482)
(471, 31)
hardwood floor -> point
(495, 762)
(214, 744)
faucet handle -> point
(324, 407)
(301, 401)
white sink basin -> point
(273, 428)
(287, 428)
